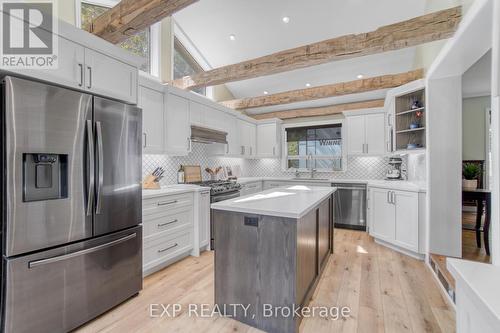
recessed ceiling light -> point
(285, 19)
(308, 84)
(232, 37)
(360, 76)
(266, 92)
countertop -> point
(416, 186)
(291, 202)
(172, 189)
(481, 279)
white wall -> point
(444, 137)
(495, 125)
(474, 127)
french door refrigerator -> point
(71, 206)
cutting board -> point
(192, 173)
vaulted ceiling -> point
(259, 30)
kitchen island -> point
(270, 250)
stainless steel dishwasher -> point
(350, 206)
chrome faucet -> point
(310, 159)
(297, 173)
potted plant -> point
(470, 172)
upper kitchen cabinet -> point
(90, 64)
(365, 133)
(269, 138)
(197, 113)
(70, 70)
(177, 128)
(151, 101)
(247, 132)
(109, 77)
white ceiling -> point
(476, 81)
(259, 30)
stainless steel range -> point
(220, 190)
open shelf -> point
(406, 117)
(411, 130)
(410, 111)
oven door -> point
(219, 198)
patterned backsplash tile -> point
(362, 167)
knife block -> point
(150, 183)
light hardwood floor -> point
(386, 291)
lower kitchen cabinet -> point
(251, 188)
(269, 184)
(201, 221)
(168, 230)
(394, 217)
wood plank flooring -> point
(386, 291)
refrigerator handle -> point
(91, 170)
(41, 262)
(100, 166)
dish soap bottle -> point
(180, 175)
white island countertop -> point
(289, 201)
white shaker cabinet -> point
(70, 69)
(355, 135)
(110, 77)
(383, 217)
(375, 133)
(197, 113)
(201, 221)
(406, 205)
(268, 139)
(394, 217)
(151, 103)
(366, 134)
(247, 138)
(177, 128)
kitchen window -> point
(140, 44)
(186, 65)
(318, 147)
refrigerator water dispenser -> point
(45, 177)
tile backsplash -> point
(362, 167)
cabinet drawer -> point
(166, 203)
(165, 222)
(163, 247)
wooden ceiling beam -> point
(320, 111)
(423, 29)
(330, 90)
(129, 17)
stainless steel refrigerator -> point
(71, 206)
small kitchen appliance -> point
(394, 170)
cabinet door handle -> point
(166, 203)
(204, 193)
(145, 139)
(166, 223)
(274, 151)
(89, 69)
(189, 144)
(242, 150)
(388, 194)
(81, 75)
(393, 195)
(167, 248)
(366, 148)
(227, 148)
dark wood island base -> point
(264, 263)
